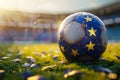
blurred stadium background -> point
(24, 26)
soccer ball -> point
(82, 36)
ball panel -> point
(104, 37)
(66, 22)
(73, 32)
(93, 32)
(79, 19)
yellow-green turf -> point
(47, 51)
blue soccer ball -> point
(82, 36)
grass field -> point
(16, 61)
